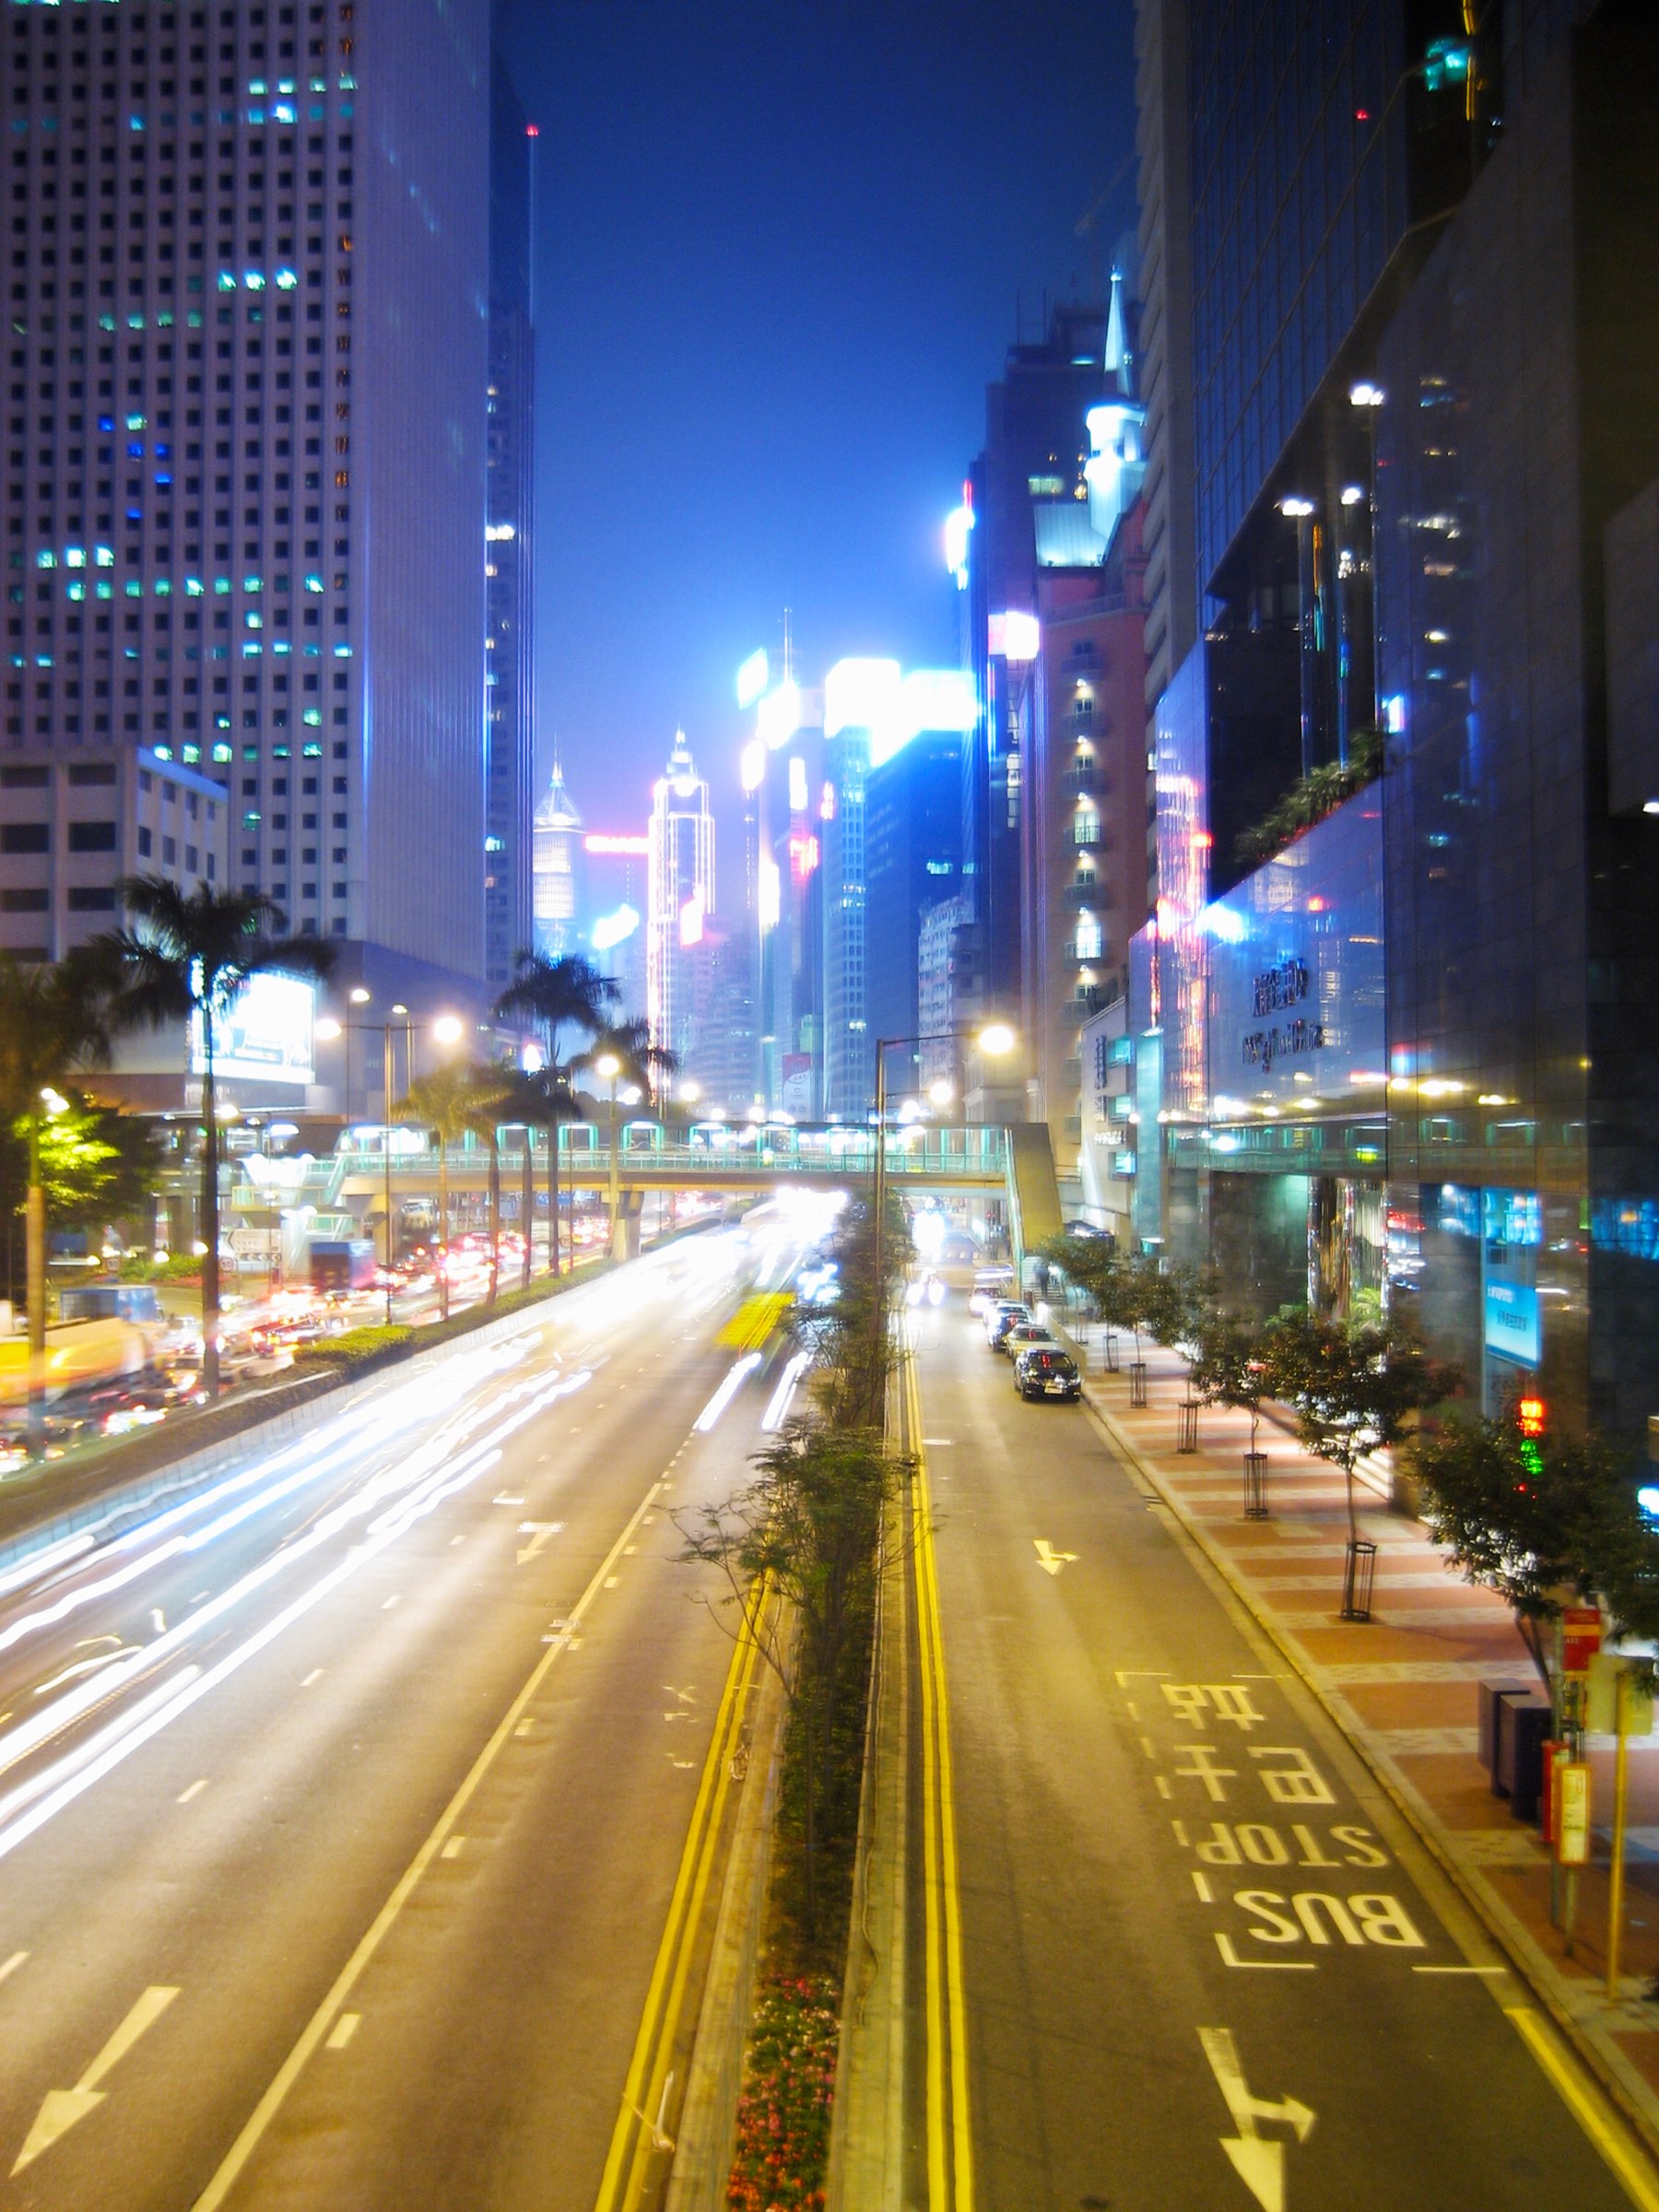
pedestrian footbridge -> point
(1014, 1164)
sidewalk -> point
(1403, 1687)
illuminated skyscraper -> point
(557, 891)
(680, 895)
(247, 351)
(509, 725)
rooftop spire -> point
(1116, 362)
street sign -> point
(1580, 1639)
(1601, 1706)
(1572, 1813)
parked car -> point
(1001, 1317)
(1022, 1336)
(1045, 1371)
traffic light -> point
(1530, 1416)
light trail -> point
(726, 1393)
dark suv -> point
(1045, 1371)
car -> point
(1001, 1317)
(989, 1284)
(1045, 1371)
(1023, 1336)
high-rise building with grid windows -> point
(244, 483)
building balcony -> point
(1087, 891)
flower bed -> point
(783, 2112)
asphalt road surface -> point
(340, 1814)
(1203, 1964)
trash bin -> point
(1518, 1772)
(1485, 1708)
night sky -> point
(780, 251)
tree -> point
(1542, 1521)
(187, 957)
(1354, 1389)
(55, 1017)
(444, 1102)
(530, 1101)
(811, 1527)
(555, 995)
(639, 1061)
(1229, 1368)
(1172, 1304)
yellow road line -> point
(317, 2027)
(628, 2163)
(1589, 2108)
(946, 2002)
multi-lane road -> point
(353, 1817)
(1190, 1958)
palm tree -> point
(54, 1018)
(552, 995)
(187, 957)
(537, 1101)
(639, 1061)
(445, 1102)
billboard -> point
(266, 1035)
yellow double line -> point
(949, 2140)
(633, 2140)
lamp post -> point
(995, 1038)
(610, 1067)
(51, 1103)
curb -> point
(1637, 2103)
(707, 2122)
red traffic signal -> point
(1530, 1413)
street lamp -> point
(995, 1038)
(610, 1067)
(49, 1106)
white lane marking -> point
(390, 1601)
(345, 2028)
(315, 1676)
(1460, 1970)
(1048, 1558)
(10, 1966)
(1263, 1966)
(1207, 1896)
(452, 1849)
(63, 2107)
(1258, 2162)
(194, 1789)
(523, 1728)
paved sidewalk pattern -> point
(1403, 1687)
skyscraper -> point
(245, 487)
(1034, 464)
(680, 895)
(509, 728)
(556, 870)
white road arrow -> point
(1048, 1558)
(63, 2107)
(539, 1532)
(1259, 2163)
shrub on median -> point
(353, 1348)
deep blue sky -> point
(780, 249)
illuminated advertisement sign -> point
(752, 677)
(1511, 1321)
(267, 1033)
(631, 847)
(860, 695)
